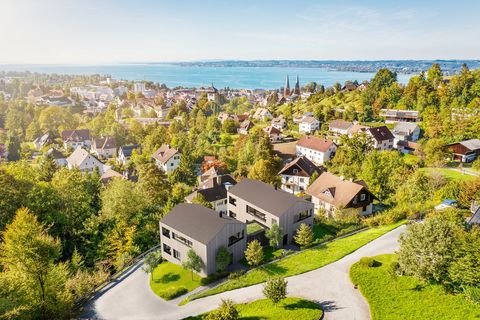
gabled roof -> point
(339, 124)
(271, 130)
(164, 153)
(55, 154)
(214, 188)
(335, 190)
(246, 125)
(380, 133)
(264, 196)
(196, 221)
(309, 120)
(315, 143)
(105, 143)
(405, 128)
(76, 135)
(303, 164)
(79, 155)
(472, 144)
(127, 150)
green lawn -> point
(304, 261)
(254, 227)
(449, 173)
(404, 297)
(171, 280)
(290, 308)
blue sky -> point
(95, 31)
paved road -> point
(131, 297)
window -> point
(362, 197)
(176, 254)
(235, 238)
(254, 212)
(304, 215)
(181, 239)
(232, 214)
(167, 249)
(364, 208)
(166, 232)
(295, 171)
(301, 180)
(232, 201)
(171, 164)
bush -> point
(472, 294)
(212, 278)
(227, 311)
(172, 292)
(235, 275)
(367, 262)
(275, 289)
(394, 268)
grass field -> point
(290, 308)
(449, 173)
(304, 261)
(171, 280)
(404, 297)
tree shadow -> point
(418, 287)
(169, 277)
(376, 264)
(328, 305)
(302, 304)
(274, 269)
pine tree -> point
(304, 236)
(254, 253)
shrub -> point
(472, 294)
(394, 268)
(226, 311)
(367, 262)
(304, 236)
(212, 278)
(235, 275)
(275, 289)
(254, 253)
(172, 292)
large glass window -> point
(166, 232)
(167, 249)
(232, 201)
(183, 240)
(254, 212)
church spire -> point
(286, 90)
(297, 86)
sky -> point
(107, 31)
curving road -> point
(131, 298)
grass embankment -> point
(449, 174)
(403, 297)
(170, 281)
(290, 308)
(302, 262)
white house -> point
(297, 173)
(273, 133)
(76, 138)
(406, 131)
(262, 114)
(85, 162)
(309, 125)
(125, 152)
(278, 123)
(167, 158)
(339, 127)
(317, 150)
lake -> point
(196, 76)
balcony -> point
(257, 214)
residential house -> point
(214, 191)
(245, 127)
(125, 153)
(465, 151)
(356, 128)
(317, 150)
(76, 138)
(393, 115)
(167, 158)
(382, 137)
(57, 156)
(85, 162)
(109, 175)
(194, 227)
(332, 193)
(273, 133)
(224, 116)
(405, 132)
(43, 141)
(255, 201)
(262, 114)
(297, 173)
(339, 127)
(104, 147)
(309, 125)
(278, 123)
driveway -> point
(131, 298)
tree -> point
(27, 256)
(223, 259)
(193, 262)
(464, 271)
(304, 236)
(152, 260)
(275, 235)
(263, 170)
(426, 249)
(254, 253)
(434, 151)
(275, 289)
(226, 311)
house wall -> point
(308, 127)
(294, 184)
(169, 166)
(315, 156)
(207, 252)
(330, 209)
(287, 220)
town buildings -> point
(393, 115)
(382, 137)
(213, 190)
(465, 151)
(309, 125)
(76, 138)
(315, 149)
(297, 173)
(85, 162)
(167, 158)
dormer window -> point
(295, 171)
